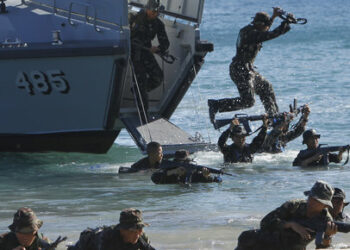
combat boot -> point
(213, 109)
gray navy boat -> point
(66, 77)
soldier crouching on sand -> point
(127, 235)
(285, 227)
(24, 233)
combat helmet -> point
(152, 5)
(310, 133)
(262, 18)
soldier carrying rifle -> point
(315, 155)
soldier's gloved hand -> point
(154, 49)
(277, 11)
(285, 26)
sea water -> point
(311, 63)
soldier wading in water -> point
(242, 71)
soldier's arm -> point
(272, 137)
(292, 134)
(258, 140)
(277, 219)
(262, 36)
(295, 133)
(223, 139)
(162, 37)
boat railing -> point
(90, 14)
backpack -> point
(89, 239)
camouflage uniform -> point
(325, 160)
(242, 71)
(161, 177)
(191, 176)
(110, 238)
(129, 219)
(277, 139)
(24, 221)
(233, 154)
(272, 234)
(148, 73)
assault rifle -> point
(166, 164)
(245, 119)
(54, 244)
(290, 18)
(324, 151)
(319, 225)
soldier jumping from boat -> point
(242, 71)
(145, 26)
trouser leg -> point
(265, 91)
(154, 72)
(245, 85)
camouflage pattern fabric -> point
(301, 156)
(272, 234)
(8, 241)
(247, 80)
(276, 140)
(148, 73)
(234, 154)
(161, 177)
(112, 240)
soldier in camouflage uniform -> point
(339, 204)
(182, 175)
(145, 26)
(280, 229)
(276, 140)
(128, 234)
(242, 71)
(24, 233)
(240, 151)
(304, 159)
